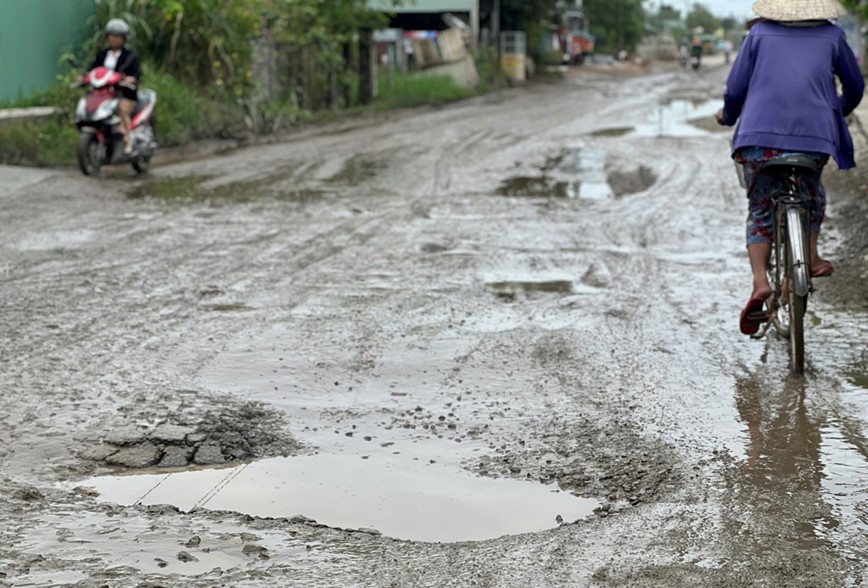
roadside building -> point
(34, 34)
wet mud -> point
(502, 355)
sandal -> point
(823, 270)
(749, 323)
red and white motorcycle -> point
(101, 141)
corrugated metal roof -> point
(423, 6)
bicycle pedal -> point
(759, 317)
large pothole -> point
(398, 496)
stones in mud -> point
(194, 541)
(235, 433)
(125, 436)
(256, 551)
(209, 454)
(176, 457)
(29, 494)
(187, 557)
(98, 452)
(196, 438)
(167, 433)
(139, 456)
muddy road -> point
(492, 344)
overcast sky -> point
(739, 8)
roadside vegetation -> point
(198, 56)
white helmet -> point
(117, 27)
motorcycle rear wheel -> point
(88, 154)
(142, 165)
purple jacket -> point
(782, 86)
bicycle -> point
(790, 264)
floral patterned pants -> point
(761, 184)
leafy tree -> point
(209, 41)
(617, 24)
(857, 6)
(700, 16)
(666, 17)
(729, 23)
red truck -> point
(575, 37)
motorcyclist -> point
(120, 59)
(684, 52)
(696, 51)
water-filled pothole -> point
(538, 187)
(510, 290)
(613, 132)
(572, 173)
(357, 170)
(401, 498)
(679, 118)
(194, 189)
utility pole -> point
(620, 27)
(474, 23)
(495, 23)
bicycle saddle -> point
(802, 162)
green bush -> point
(417, 89)
(43, 143)
(487, 64)
(184, 114)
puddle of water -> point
(196, 189)
(402, 498)
(538, 187)
(613, 132)
(226, 307)
(73, 536)
(510, 290)
(172, 189)
(678, 118)
(590, 165)
(578, 173)
(357, 170)
(50, 579)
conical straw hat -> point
(793, 10)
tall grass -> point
(417, 89)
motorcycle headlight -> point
(106, 110)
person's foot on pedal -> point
(822, 269)
(747, 324)
(128, 147)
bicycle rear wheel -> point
(799, 288)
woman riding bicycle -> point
(782, 93)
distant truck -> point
(575, 37)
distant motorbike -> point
(696, 57)
(101, 141)
(683, 56)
